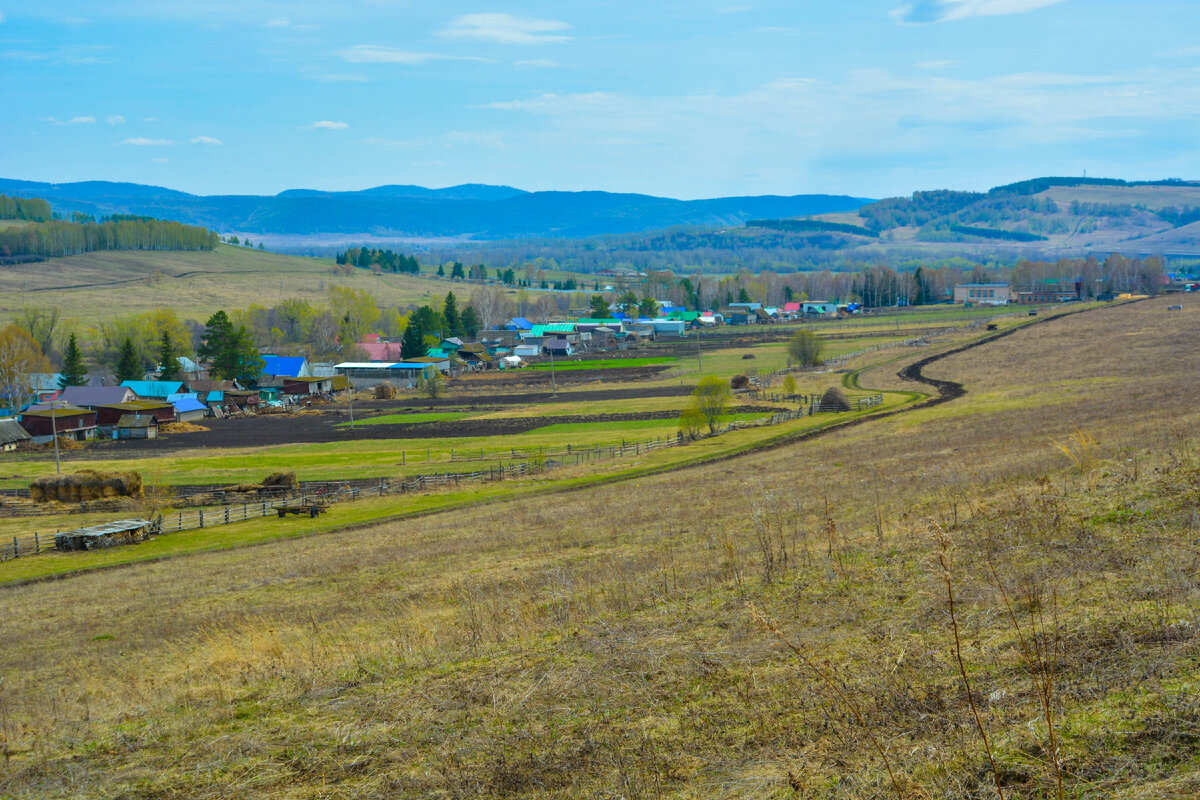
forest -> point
(52, 238)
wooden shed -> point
(136, 426)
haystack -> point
(739, 382)
(385, 391)
(834, 399)
(281, 480)
(85, 485)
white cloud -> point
(506, 29)
(81, 120)
(76, 22)
(1, 17)
(924, 11)
(278, 22)
(205, 140)
(537, 63)
(115, 119)
(139, 141)
(377, 54)
(161, 160)
(325, 125)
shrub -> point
(804, 348)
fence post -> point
(202, 518)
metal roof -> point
(287, 366)
(11, 431)
(185, 404)
(136, 421)
(155, 389)
(93, 396)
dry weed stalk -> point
(947, 578)
(846, 700)
(1040, 651)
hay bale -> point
(748, 356)
(739, 382)
(385, 391)
(85, 485)
(834, 399)
(281, 480)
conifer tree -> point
(128, 366)
(73, 372)
(168, 359)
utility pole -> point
(54, 429)
(553, 384)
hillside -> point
(482, 212)
(835, 618)
(1046, 216)
(95, 287)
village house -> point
(1051, 292)
(136, 426)
(109, 415)
(94, 397)
(42, 423)
(983, 294)
(11, 435)
(154, 390)
(286, 366)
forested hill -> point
(1053, 213)
(473, 210)
(30, 232)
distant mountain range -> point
(476, 211)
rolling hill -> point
(1047, 216)
(471, 210)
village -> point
(139, 409)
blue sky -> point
(682, 98)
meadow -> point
(842, 616)
(104, 285)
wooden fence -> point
(330, 492)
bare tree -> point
(39, 324)
(492, 306)
(20, 360)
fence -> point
(329, 492)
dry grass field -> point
(96, 287)
(992, 596)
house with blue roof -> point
(518, 324)
(286, 366)
(156, 390)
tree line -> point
(62, 238)
(33, 209)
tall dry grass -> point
(602, 643)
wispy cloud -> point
(1, 17)
(336, 77)
(537, 63)
(378, 54)
(161, 160)
(937, 64)
(278, 22)
(139, 141)
(115, 119)
(71, 121)
(918, 12)
(325, 125)
(71, 55)
(205, 140)
(506, 29)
